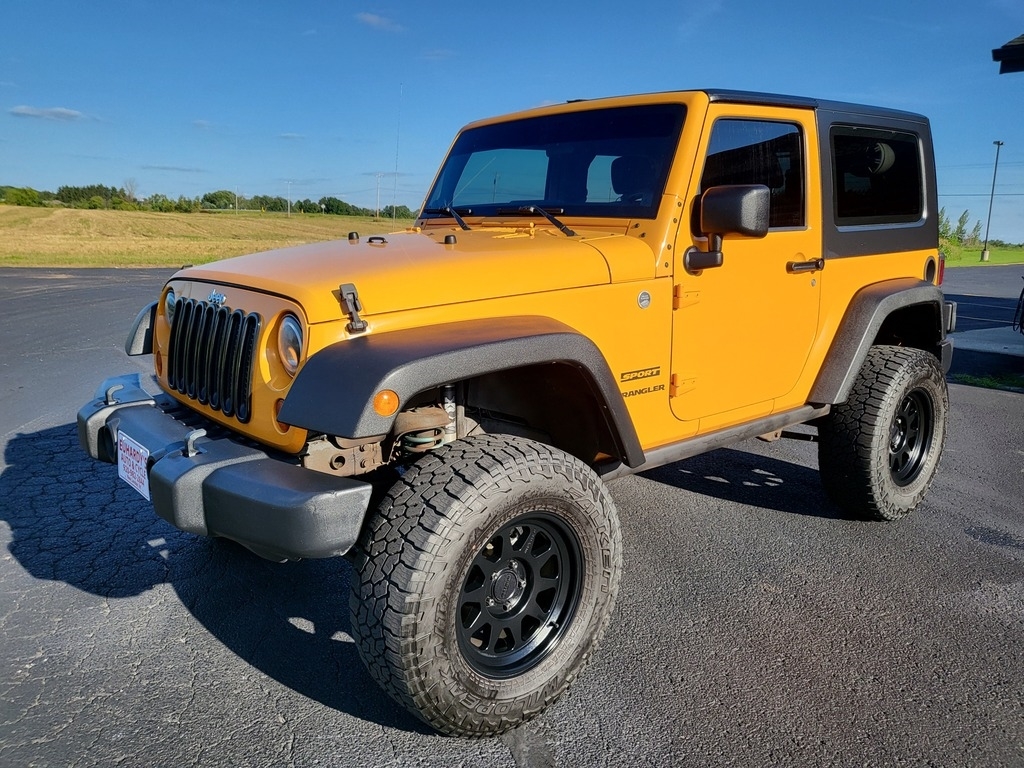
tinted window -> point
(502, 174)
(877, 176)
(600, 162)
(759, 152)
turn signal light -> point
(385, 403)
(281, 426)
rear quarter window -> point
(877, 175)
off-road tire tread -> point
(411, 527)
(852, 453)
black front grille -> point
(211, 356)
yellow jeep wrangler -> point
(591, 289)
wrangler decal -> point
(644, 391)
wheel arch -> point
(904, 312)
(334, 390)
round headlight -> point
(169, 300)
(289, 344)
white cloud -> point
(379, 22)
(49, 113)
(438, 54)
(696, 19)
(291, 136)
(172, 169)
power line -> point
(980, 194)
(979, 165)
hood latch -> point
(348, 297)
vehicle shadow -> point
(751, 479)
(73, 521)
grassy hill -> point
(70, 237)
(65, 237)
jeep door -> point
(742, 331)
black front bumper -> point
(220, 486)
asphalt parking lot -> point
(755, 625)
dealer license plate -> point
(131, 463)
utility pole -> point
(289, 198)
(379, 176)
(995, 170)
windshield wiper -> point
(449, 211)
(526, 209)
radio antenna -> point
(398, 134)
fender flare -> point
(868, 310)
(140, 337)
(333, 391)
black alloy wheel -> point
(518, 596)
(911, 437)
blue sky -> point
(328, 98)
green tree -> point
(158, 202)
(333, 205)
(186, 205)
(960, 233)
(396, 212)
(21, 196)
(82, 197)
(268, 203)
(945, 231)
(222, 200)
(975, 235)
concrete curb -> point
(995, 341)
(988, 352)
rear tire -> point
(485, 581)
(878, 451)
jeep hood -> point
(413, 270)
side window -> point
(759, 152)
(877, 176)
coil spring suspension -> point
(421, 442)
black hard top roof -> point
(780, 100)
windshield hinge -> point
(348, 297)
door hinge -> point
(680, 386)
(681, 298)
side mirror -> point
(736, 209)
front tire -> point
(485, 581)
(879, 450)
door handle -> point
(805, 266)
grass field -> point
(971, 257)
(63, 237)
(67, 237)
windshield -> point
(601, 162)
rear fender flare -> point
(860, 327)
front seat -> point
(633, 179)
